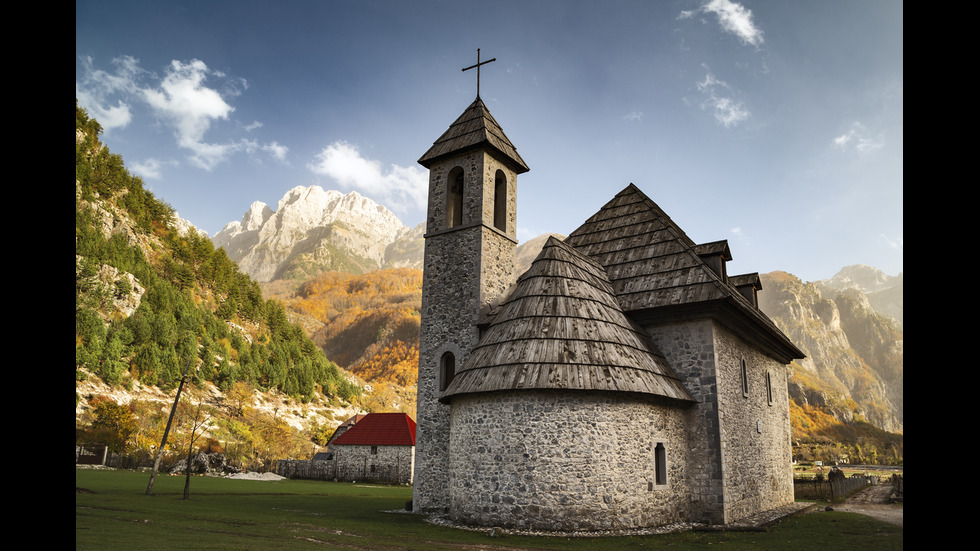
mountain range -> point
(855, 350)
(314, 230)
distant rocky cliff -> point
(855, 353)
(884, 292)
(313, 230)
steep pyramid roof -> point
(650, 261)
(476, 127)
(562, 328)
(380, 429)
(658, 273)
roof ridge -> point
(460, 137)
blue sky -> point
(777, 125)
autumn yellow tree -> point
(114, 425)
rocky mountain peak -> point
(883, 292)
(314, 230)
(866, 279)
(255, 216)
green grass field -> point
(112, 512)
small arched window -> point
(447, 370)
(500, 201)
(454, 198)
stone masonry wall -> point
(450, 298)
(565, 461)
(388, 464)
(742, 442)
(756, 430)
(466, 268)
(689, 349)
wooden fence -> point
(832, 488)
(307, 469)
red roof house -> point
(379, 448)
(380, 429)
(344, 427)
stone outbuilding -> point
(380, 447)
(624, 381)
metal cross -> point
(478, 63)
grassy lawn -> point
(112, 512)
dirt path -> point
(873, 502)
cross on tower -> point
(478, 63)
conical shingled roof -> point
(474, 128)
(562, 328)
(654, 266)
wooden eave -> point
(745, 321)
(475, 128)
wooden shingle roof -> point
(658, 274)
(562, 328)
(476, 127)
(650, 261)
(380, 429)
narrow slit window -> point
(769, 387)
(447, 370)
(745, 380)
(660, 463)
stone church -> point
(625, 380)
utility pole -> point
(166, 431)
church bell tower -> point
(471, 235)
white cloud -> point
(96, 87)
(149, 169)
(896, 244)
(728, 111)
(734, 18)
(634, 116)
(401, 188)
(182, 99)
(277, 150)
(857, 138)
(186, 103)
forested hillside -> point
(369, 325)
(151, 299)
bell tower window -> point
(454, 198)
(500, 201)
